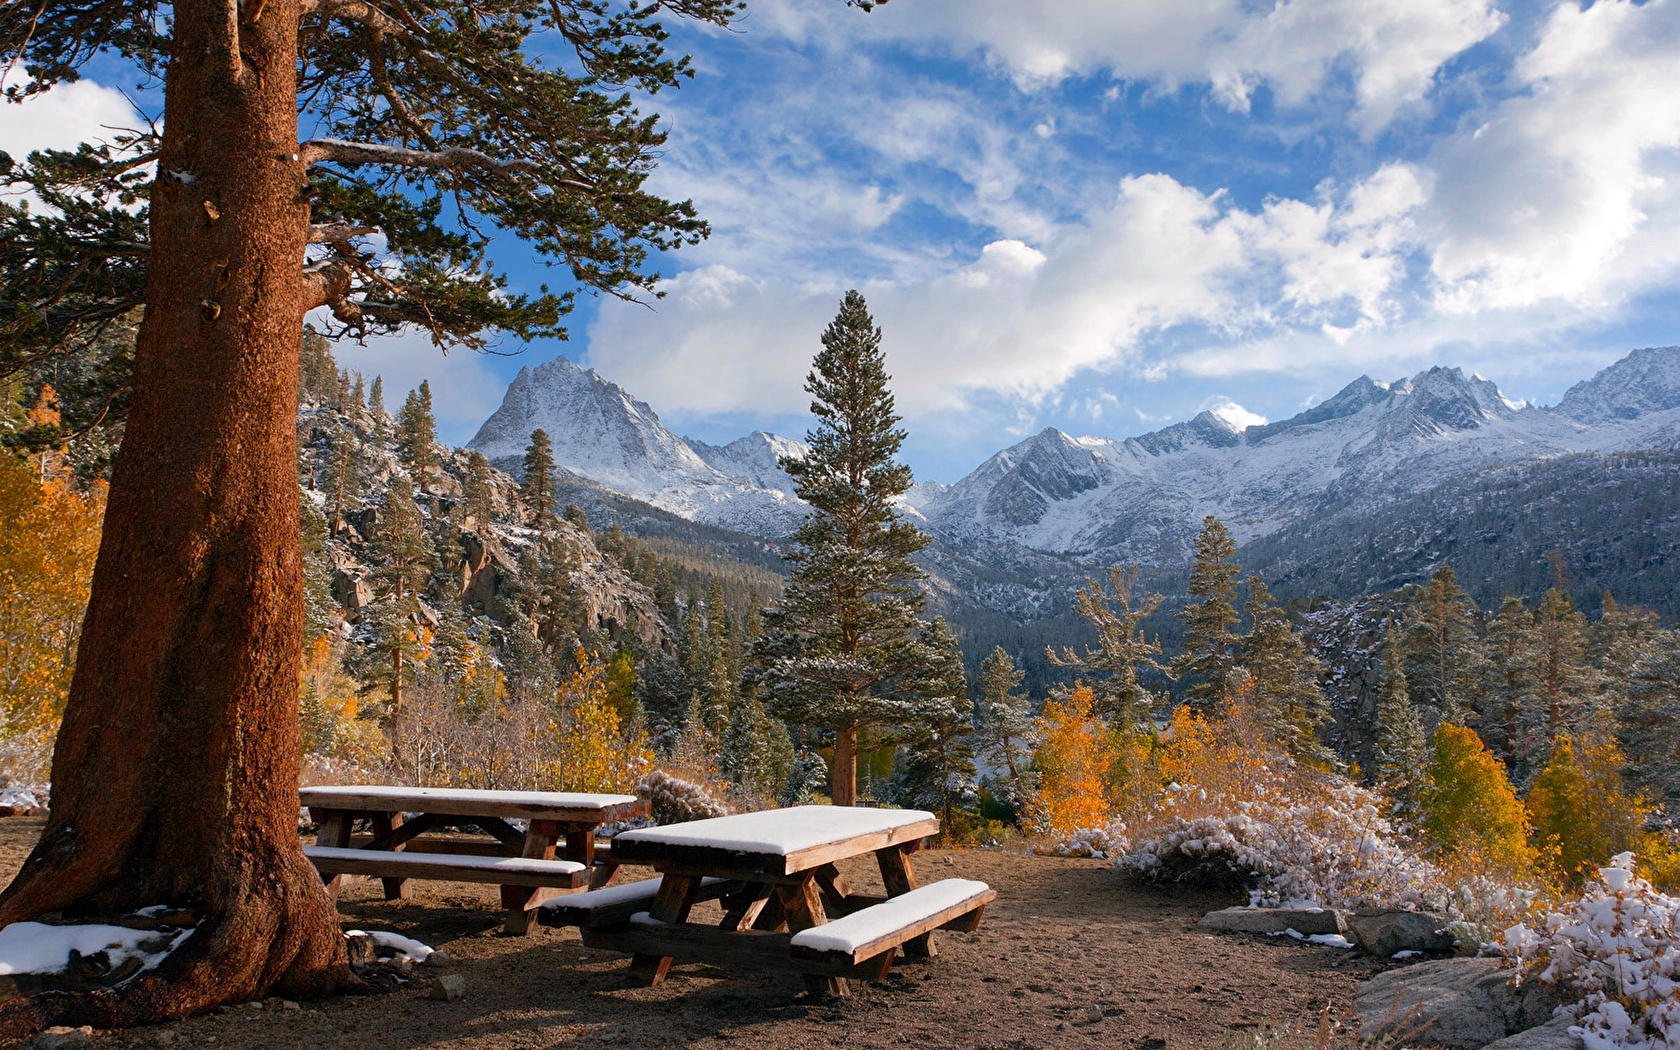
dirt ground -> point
(1068, 956)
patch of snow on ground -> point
(1329, 940)
(407, 947)
(37, 947)
(25, 796)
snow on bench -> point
(607, 906)
(448, 867)
(870, 931)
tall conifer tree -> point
(1006, 725)
(1284, 677)
(1121, 649)
(417, 429)
(537, 490)
(845, 651)
(1443, 652)
(1209, 655)
(1401, 748)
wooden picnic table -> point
(415, 832)
(775, 871)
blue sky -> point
(1107, 215)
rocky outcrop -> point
(1305, 921)
(1383, 933)
(1465, 1004)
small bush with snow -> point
(1105, 842)
(1335, 849)
(1617, 947)
(676, 800)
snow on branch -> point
(456, 159)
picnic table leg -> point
(835, 890)
(384, 824)
(673, 903)
(521, 901)
(332, 828)
(742, 911)
(803, 903)
(899, 875)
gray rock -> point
(1274, 920)
(439, 961)
(1461, 1003)
(1385, 932)
(447, 986)
(1553, 1035)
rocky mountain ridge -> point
(1034, 518)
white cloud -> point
(61, 117)
(1570, 189)
(1021, 320)
(1233, 413)
(1393, 51)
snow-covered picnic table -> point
(786, 906)
(556, 851)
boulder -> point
(350, 592)
(1382, 933)
(1306, 921)
(1460, 1003)
(1553, 1035)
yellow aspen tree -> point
(1073, 759)
(1582, 810)
(46, 570)
(1470, 812)
(591, 750)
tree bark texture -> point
(843, 778)
(175, 774)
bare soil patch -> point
(1068, 956)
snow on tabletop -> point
(407, 947)
(853, 931)
(36, 947)
(521, 865)
(556, 799)
(778, 831)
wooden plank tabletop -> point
(566, 806)
(775, 841)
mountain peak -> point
(1645, 381)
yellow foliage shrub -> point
(46, 571)
(1074, 758)
(1582, 811)
(1470, 812)
(591, 750)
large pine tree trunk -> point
(175, 775)
(842, 780)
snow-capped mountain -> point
(604, 435)
(1055, 505)
(1142, 499)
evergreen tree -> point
(1121, 650)
(936, 768)
(1508, 689)
(478, 495)
(341, 476)
(1209, 655)
(756, 751)
(417, 430)
(376, 407)
(1401, 749)
(1650, 719)
(1284, 677)
(1006, 726)
(537, 490)
(1566, 682)
(317, 371)
(406, 564)
(845, 647)
(1442, 648)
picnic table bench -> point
(415, 833)
(786, 906)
